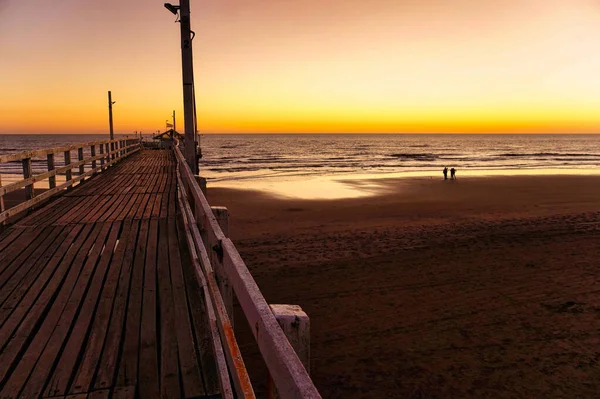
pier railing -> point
(221, 270)
(102, 154)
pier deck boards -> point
(96, 300)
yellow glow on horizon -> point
(383, 66)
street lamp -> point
(187, 64)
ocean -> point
(234, 160)
(243, 157)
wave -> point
(422, 156)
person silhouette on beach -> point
(445, 173)
(453, 174)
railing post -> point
(68, 172)
(296, 326)
(29, 190)
(2, 200)
(222, 215)
(107, 153)
(112, 148)
(51, 179)
(202, 183)
(93, 154)
(102, 159)
(80, 158)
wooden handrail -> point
(288, 373)
(124, 147)
(17, 156)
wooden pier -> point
(120, 288)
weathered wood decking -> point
(96, 296)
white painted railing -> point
(220, 269)
(109, 153)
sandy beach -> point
(480, 287)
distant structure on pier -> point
(166, 139)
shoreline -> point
(335, 186)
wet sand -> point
(481, 287)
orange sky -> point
(304, 66)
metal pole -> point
(110, 119)
(188, 86)
(174, 126)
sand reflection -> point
(369, 184)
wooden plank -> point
(188, 360)
(41, 215)
(201, 326)
(128, 367)
(42, 268)
(68, 323)
(121, 215)
(22, 357)
(93, 154)
(109, 360)
(29, 191)
(80, 158)
(2, 206)
(102, 156)
(157, 205)
(10, 236)
(142, 206)
(17, 247)
(26, 262)
(67, 159)
(103, 394)
(169, 368)
(81, 208)
(124, 392)
(108, 201)
(60, 378)
(47, 276)
(51, 167)
(216, 311)
(120, 202)
(83, 379)
(148, 375)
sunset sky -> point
(304, 66)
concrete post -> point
(296, 326)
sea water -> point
(264, 159)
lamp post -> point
(110, 118)
(187, 66)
